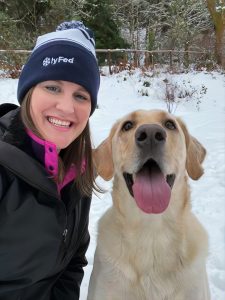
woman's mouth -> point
(59, 123)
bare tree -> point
(127, 12)
(184, 20)
(165, 23)
(217, 12)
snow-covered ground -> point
(201, 104)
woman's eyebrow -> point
(58, 81)
(81, 89)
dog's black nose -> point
(150, 135)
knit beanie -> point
(67, 54)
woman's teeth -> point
(57, 122)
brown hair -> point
(76, 153)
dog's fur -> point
(143, 256)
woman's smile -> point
(59, 123)
(60, 111)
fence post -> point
(146, 60)
(109, 61)
(171, 60)
(125, 58)
(186, 59)
(135, 59)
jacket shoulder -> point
(7, 107)
(9, 114)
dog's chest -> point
(146, 265)
(145, 254)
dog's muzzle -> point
(150, 188)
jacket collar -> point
(47, 154)
(14, 150)
(27, 168)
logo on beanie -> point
(56, 60)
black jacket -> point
(43, 236)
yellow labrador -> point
(150, 245)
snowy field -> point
(201, 104)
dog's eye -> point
(170, 125)
(127, 126)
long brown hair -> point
(79, 153)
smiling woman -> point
(46, 169)
(60, 106)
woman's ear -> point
(103, 161)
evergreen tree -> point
(98, 16)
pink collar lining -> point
(51, 160)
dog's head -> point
(150, 150)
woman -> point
(46, 172)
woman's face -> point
(60, 111)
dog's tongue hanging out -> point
(151, 191)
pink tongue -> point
(151, 191)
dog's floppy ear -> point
(195, 154)
(103, 159)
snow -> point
(203, 110)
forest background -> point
(184, 25)
(152, 25)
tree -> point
(134, 22)
(165, 23)
(217, 12)
(181, 21)
(23, 20)
(98, 16)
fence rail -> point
(117, 59)
(112, 50)
(137, 58)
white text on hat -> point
(56, 60)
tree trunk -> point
(219, 47)
(186, 55)
(218, 17)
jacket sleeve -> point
(68, 284)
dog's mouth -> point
(150, 188)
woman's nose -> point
(66, 104)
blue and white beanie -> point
(67, 54)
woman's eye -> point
(170, 125)
(81, 97)
(127, 126)
(54, 89)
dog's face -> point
(151, 150)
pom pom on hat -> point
(70, 25)
(66, 54)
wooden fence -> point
(119, 59)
